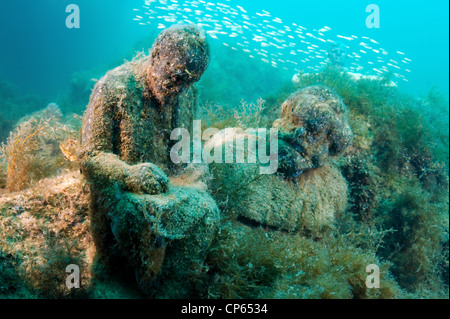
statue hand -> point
(147, 179)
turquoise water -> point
(39, 54)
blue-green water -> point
(39, 53)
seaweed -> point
(418, 247)
(360, 173)
(47, 277)
(248, 262)
(18, 153)
(35, 149)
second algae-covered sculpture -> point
(307, 191)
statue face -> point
(179, 58)
(314, 125)
(337, 54)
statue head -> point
(337, 54)
(179, 57)
(314, 126)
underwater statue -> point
(308, 190)
(141, 209)
(337, 54)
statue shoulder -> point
(121, 79)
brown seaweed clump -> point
(139, 213)
(32, 151)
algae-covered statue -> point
(307, 190)
(162, 226)
(337, 54)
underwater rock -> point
(51, 111)
(45, 228)
(137, 212)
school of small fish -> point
(288, 46)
